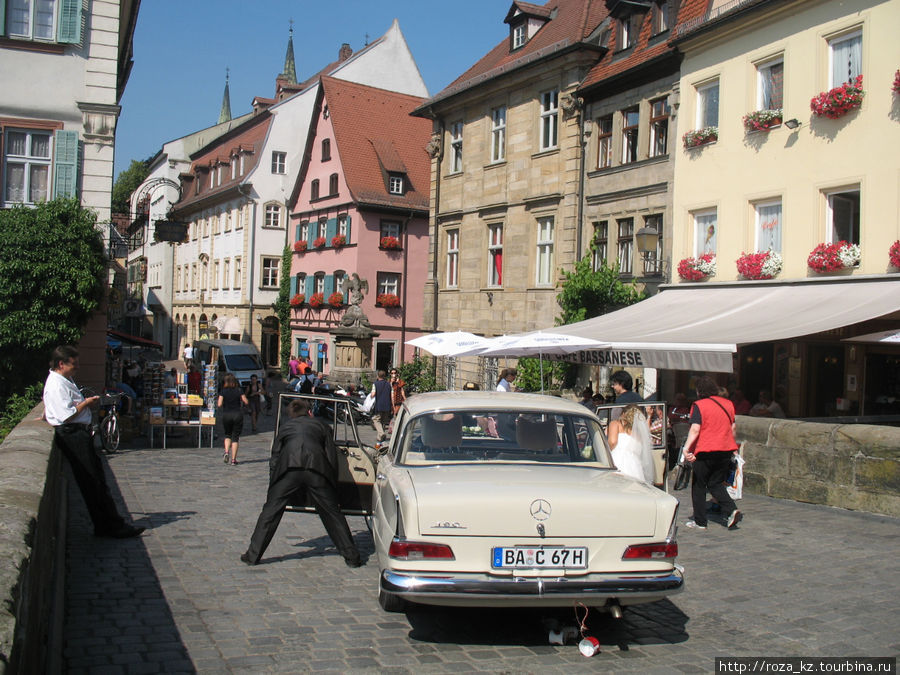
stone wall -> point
(32, 548)
(851, 466)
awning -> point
(696, 327)
(133, 339)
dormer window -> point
(396, 184)
(518, 35)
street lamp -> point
(647, 241)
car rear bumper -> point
(487, 590)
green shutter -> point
(298, 229)
(311, 233)
(69, 30)
(330, 229)
(65, 164)
(329, 285)
(310, 287)
(348, 228)
(2, 17)
(293, 286)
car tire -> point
(390, 602)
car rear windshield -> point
(237, 362)
(491, 436)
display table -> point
(200, 427)
(186, 414)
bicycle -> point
(109, 425)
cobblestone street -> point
(793, 580)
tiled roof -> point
(374, 134)
(571, 23)
(707, 16)
(529, 9)
(646, 49)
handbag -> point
(682, 472)
(369, 403)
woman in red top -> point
(710, 446)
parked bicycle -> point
(109, 422)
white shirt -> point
(503, 385)
(61, 395)
(188, 352)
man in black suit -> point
(304, 457)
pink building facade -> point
(360, 210)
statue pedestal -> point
(352, 356)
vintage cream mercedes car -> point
(505, 500)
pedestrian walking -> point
(68, 412)
(230, 399)
(304, 458)
(398, 391)
(381, 410)
(188, 356)
(254, 391)
(710, 447)
(507, 376)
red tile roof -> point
(375, 134)
(613, 64)
(572, 23)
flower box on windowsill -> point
(316, 300)
(837, 102)
(387, 300)
(338, 240)
(761, 265)
(389, 244)
(319, 242)
(894, 255)
(698, 137)
(762, 120)
(336, 299)
(697, 269)
(896, 86)
(300, 246)
(833, 257)
(298, 300)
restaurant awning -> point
(697, 327)
(133, 339)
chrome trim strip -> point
(414, 585)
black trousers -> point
(325, 497)
(710, 470)
(75, 442)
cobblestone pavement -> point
(793, 580)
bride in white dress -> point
(629, 438)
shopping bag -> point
(735, 485)
(682, 472)
(369, 403)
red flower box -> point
(762, 120)
(390, 243)
(896, 86)
(839, 101)
(336, 299)
(387, 300)
(833, 257)
(319, 242)
(697, 269)
(894, 254)
(761, 265)
(298, 300)
(338, 240)
(316, 300)
(698, 137)
(300, 246)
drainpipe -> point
(579, 226)
(405, 285)
(434, 234)
(250, 263)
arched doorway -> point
(270, 343)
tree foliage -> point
(51, 279)
(282, 309)
(126, 183)
(585, 293)
(418, 375)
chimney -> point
(345, 52)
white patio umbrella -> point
(537, 343)
(883, 337)
(449, 344)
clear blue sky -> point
(182, 48)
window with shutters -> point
(42, 20)
(26, 166)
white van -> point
(241, 359)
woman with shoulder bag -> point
(710, 448)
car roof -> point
(437, 401)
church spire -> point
(225, 113)
(290, 70)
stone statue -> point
(354, 316)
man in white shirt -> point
(188, 356)
(69, 413)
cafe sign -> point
(170, 230)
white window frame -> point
(342, 225)
(269, 269)
(830, 235)
(395, 184)
(29, 163)
(549, 134)
(625, 245)
(659, 128)
(495, 248)
(604, 142)
(763, 70)
(703, 92)
(33, 13)
(519, 35)
(279, 162)
(319, 283)
(854, 70)
(456, 147)
(453, 258)
(238, 272)
(273, 216)
(704, 241)
(769, 215)
(390, 228)
(543, 274)
(498, 134)
(631, 134)
(600, 244)
(389, 282)
(226, 273)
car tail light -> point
(419, 550)
(667, 549)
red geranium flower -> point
(336, 299)
(298, 300)
(300, 246)
(316, 300)
(387, 300)
(319, 242)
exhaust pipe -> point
(615, 610)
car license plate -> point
(541, 557)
